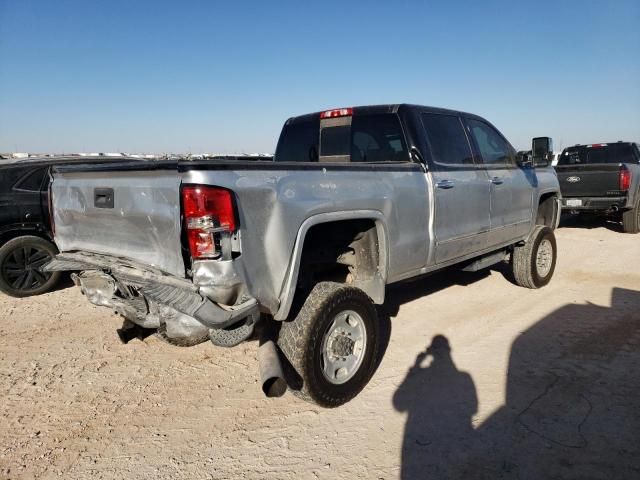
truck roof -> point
(384, 108)
(598, 144)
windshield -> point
(612, 153)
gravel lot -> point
(533, 384)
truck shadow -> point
(405, 292)
(64, 282)
(590, 222)
(401, 293)
(571, 406)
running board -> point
(486, 261)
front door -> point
(511, 187)
(461, 188)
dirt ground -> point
(517, 384)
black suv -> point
(26, 240)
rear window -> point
(299, 142)
(334, 140)
(366, 138)
(614, 153)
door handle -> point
(445, 184)
(103, 198)
(497, 181)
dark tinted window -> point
(10, 175)
(377, 138)
(613, 153)
(334, 141)
(447, 139)
(299, 142)
(32, 181)
(494, 149)
(369, 138)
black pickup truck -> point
(604, 179)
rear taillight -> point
(625, 178)
(208, 214)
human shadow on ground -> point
(572, 406)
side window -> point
(32, 182)
(493, 147)
(447, 139)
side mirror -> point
(542, 151)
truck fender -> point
(558, 195)
(375, 289)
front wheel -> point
(332, 344)
(534, 262)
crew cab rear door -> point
(462, 190)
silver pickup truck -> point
(304, 245)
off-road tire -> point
(524, 259)
(300, 340)
(631, 218)
(30, 243)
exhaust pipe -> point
(614, 208)
(271, 374)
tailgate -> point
(589, 180)
(132, 213)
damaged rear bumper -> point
(120, 284)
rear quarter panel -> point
(273, 204)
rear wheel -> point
(534, 262)
(21, 260)
(631, 219)
(332, 344)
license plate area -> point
(573, 202)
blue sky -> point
(190, 76)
